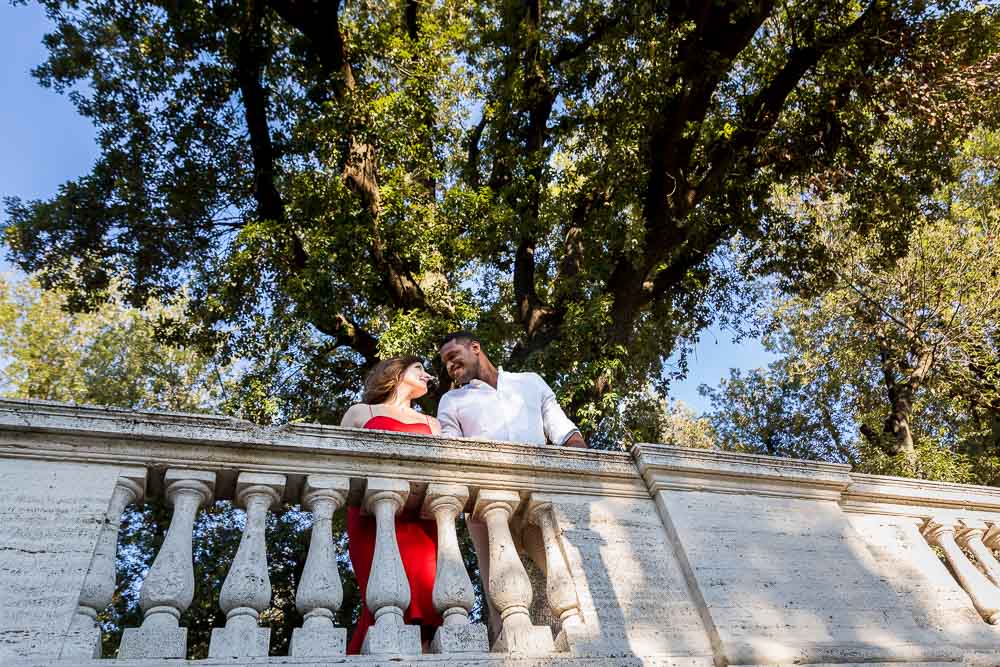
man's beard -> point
(470, 372)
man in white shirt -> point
(489, 403)
(492, 404)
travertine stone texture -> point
(925, 589)
(169, 586)
(247, 589)
(940, 531)
(970, 534)
(452, 595)
(388, 593)
(509, 587)
(51, 515)
(775, 564)
(83, 640)
(788, 579)
(467, 660)
(560, 589)
(632, 594)
(320, 592)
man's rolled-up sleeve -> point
(557, 425)
(447, 415)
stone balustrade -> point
(658, 556)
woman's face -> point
(415, 379)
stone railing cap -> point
(920, 493)
(664, 466)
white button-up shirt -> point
(522, 408)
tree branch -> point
(763, 112)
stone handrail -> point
(662, 555)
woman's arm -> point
(435, 426)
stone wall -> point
(660, 556)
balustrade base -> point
(468, 638)
(579, 642)
(530, 640)
(391, 638)
(313, 642)
(239, 642)
(82, 641)
(159, 642)
(463, 660)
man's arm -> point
(448, 418)
(558, 427)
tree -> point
(779, 412)
(350, 180)
(894, 364)
(111, 356)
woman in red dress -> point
(387, 406)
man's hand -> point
(575, 440)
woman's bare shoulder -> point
(435, 425)
(356, 415)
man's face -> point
(461, 360)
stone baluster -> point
(83, 639)
(992, 536)
(247, 589)
(559, 586)
(970, 536)
(388, 593)
(985, 596)
(453, 595)
(320, 592)
(169, 587)
(509, 587)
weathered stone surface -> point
(788, 579)
(925, 590)
(319, 641)
(168, 588)
(467, 638)
(51, 514)
(320, 593)
(238, 640)
(482, 660)
(154, 641)
(247, 589)
(632, 593)
(392, 639)
(529, 640)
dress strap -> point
(427, 421)
(371, 411)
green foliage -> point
(340, 181)
(891, 354)
(110, 356)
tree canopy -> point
(341, 181)
(895, 365)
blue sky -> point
(44, 143)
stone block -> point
(318, 642)
(239, 641)
(153, 642)
(581, 642)
(468, 638)
(529, 640)
(82, 643)
(394, 639)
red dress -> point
(417, 540)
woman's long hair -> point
(383, 379)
